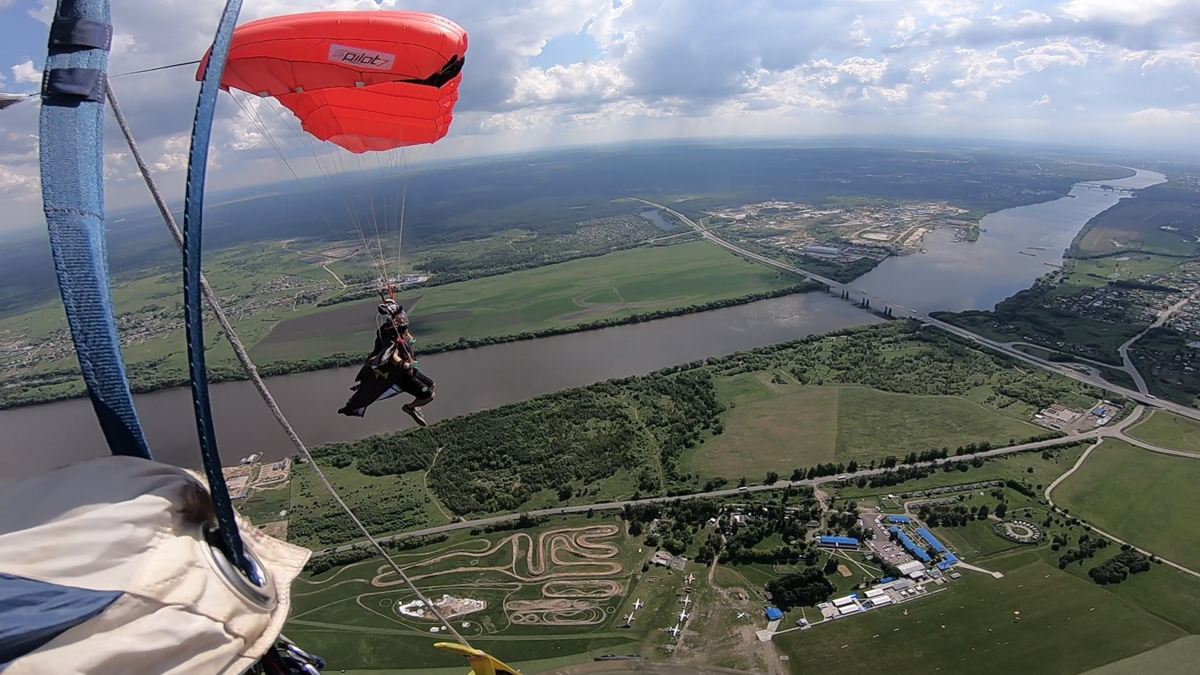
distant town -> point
(849, 233)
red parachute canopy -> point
(366, 81)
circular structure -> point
(385, 602)
(1018, 531)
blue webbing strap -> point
(193, 215)
(72, 170)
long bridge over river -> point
(893, 309)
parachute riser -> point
(193, 215)
(71, 129)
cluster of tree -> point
(525, 521)
(887, 568)
(327, 525)
(1142, 286)
(1022, 487)
(679, 521)
(952, 516)
(896, 476)
(786, 517)
(495, 460)
(362, 552)
(1086, 548)
(806, 588)
(1119, 567)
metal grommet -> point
(259, 589)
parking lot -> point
(890, 551)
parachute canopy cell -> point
(366, 81)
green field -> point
(611, 286)
(1067, 625)
(775, 424)
(1137, 224)
(1168, 431)
(1174, 658)
(554, 595)
(1096, 272)
(1092, 625)
(1141, 497)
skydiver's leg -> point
(420, 386)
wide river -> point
(949, 275)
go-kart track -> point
(564, 562)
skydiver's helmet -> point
(400, 318)
(389, 308)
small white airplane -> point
(638, 604)
(690, 578)
(674, 631)
(683, 617)
(687, 600)
(630, 618)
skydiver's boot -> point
(416, 414)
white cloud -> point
(674, 68)
(601, 80)
(1024, 19)
(1133, 12)
(27, 73)
(858, 34)
(18, 183)
(1161, 116)
(1057, 53)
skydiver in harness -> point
(391, 369)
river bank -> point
(232, 373)
(38, 438)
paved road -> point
(1124, 349)
(1083, 458)
(900, 310)
(616, 506)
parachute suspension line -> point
(258, 124)
(151, 70)
(248, 366)
(331, 175)
(193, 220)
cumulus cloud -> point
(1158, 116)
(541, 72)
(1136, 12)
(26, 73)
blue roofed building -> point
(917, 552)
(899, 519)
(839, 542)
(950, 561)
(773, 614)
(931, 540)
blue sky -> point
(544, 73)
